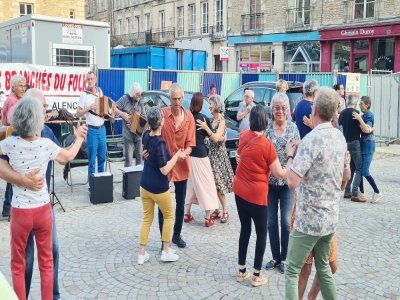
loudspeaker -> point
(131, 177)
(101, 188)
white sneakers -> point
(376, 197)
(169, 256)
(143, 258)
(165, 257)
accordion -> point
(136, 123)
(105, 107)
(5, 132)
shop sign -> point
(72, 33)
(355, 32)
(223, 53)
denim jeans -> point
(133, 148)
(279, 196)
(7, 198)
(96, 142)
(29, 256)
(180, 194)
(355, 166)
(367, 151)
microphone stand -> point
(53, 196)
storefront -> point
(294, 52)
(361, 48)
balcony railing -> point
(252, 23)
(131, 39)
(298, 19)
(161, 36)
(217, 33)
(356, 10)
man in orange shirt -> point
(178, 132)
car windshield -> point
(206, 107)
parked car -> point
(161, 99)
(263, 93)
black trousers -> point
(258, 213)
(180, 195)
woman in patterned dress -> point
(280, 197)
(222, 169)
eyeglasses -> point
(279, 108)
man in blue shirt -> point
(303, 109)
(6, 170)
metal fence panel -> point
(157, 76)
(211, 78)
(139, 76)
(272, 77)
(112, 82)
(190, 81)
(384, 92)
(324, 79)
(363, 85)
(230, 82)
(249, 77)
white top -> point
(86, 100)
(25, 157)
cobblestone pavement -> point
(99, 244)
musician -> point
(17, 91)
(96, 136)
(30, 246)
(132, 141)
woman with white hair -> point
(31, 211)
(222, 169)
(280, 131)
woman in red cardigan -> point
(257, 159)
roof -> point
(33, 17)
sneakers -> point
(282, 267)
(169, 256)
(143, 258)
(240, 277)
(358, 198)
(376, 197)
(258, 280)
(347, 195)
(177, 240)
(272, 264)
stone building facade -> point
(264, 36)
(10, 9)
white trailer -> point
(54, 41)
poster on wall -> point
(61, 86)
(72, 33)
(223, 53)
(353, 84)
(255, 67)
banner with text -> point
(61, 85)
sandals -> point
(215, 214)
(225, 217)
(188, 218)
(208, 222)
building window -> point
(25, 9)
(341, 56)
(303, 10)
(219, 16)
(192, 19)
(364, 9)
(68, 55)
(127, 25)
(204, 17)
(137, 21)
(72, 14)
(148, 24)
(383, 55)
(100, 5)
(255, 7)
(162, 22)
(255, 58)
(302, 56)
(181, 24)
(119, 27)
